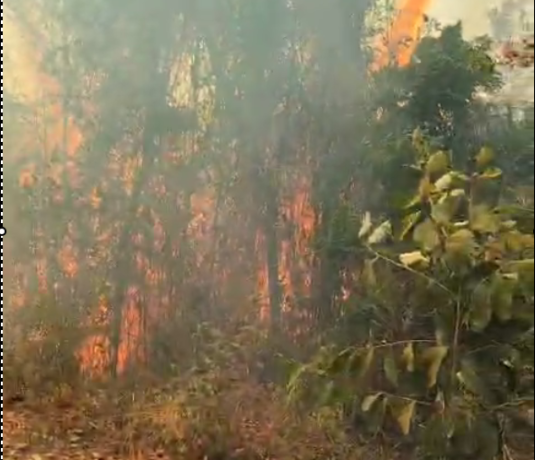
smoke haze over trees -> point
(224, 192)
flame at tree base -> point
(65, 136)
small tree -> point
(451, 361)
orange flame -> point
(402, 37)
(94, 356)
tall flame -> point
(402, 37)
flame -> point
(35, 87)
(402, 37)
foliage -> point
(40, 340)
(470, 314)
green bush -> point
(448, 354)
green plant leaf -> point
(365, 360)
(380, 234)
(470, 378)
(481, 307)
(433, 358)
(415, 201)
(485, 157)
(516, 241)
(525, 266)
(408, 357)
(404, 411)
(369, 401)
(491, 174)
(426, 235)
(445, 182)
(438, 163)
(502, 294)
(369, 274)
(408, 224)
(425, 189)
(461, 242)
(442, 211)
(294, 383)
(420, 143)
(339, 363)
(484, 220)
(415, 258)
(366, 226)
(391, 369)
(327, 395)
(525, 269)
(445, 210)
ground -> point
(60, 432)
(99, 427)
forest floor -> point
(123, 425)
(48, 431)
(56, 431)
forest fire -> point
(402, 37)
(64, 136)
(234, 223)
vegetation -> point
(233, 241)
(466, 312)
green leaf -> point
(442, 211)
(296, 377)
(362, 360)
(461, 242)
(485, 157)
(502, 294)
(327, 394)
(438, 163)
(525, 269)
(445, 210)
(470, 378)
(491, 174)
(426, 235)
(484, 220)
(460, 179)
(516, 241)
(415, 201)
(415, 258)
(433, 358)
(425, 189)
(445, 182)
(525, 266)
(381, 233)
(391, 369)
(369, 401)
(404, 411)
(366, 226)
(408, 224)
(339, 363)
(369, 273)
(481, 307)
(419, 143)
(408, 357)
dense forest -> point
(266, 230)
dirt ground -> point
(88, 430)
(60, 432)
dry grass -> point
(222, 413)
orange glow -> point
(62, 135)
(40, 90)
(403, 36)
